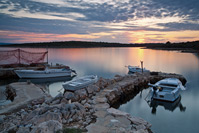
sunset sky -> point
(124, 21)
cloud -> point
(105, 16)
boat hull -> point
(166, 97)
(79, 83)
(42, 74)
(133, 69)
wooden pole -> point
(141, 65)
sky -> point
(123, 21)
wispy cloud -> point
(119, 21)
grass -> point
(71, 130)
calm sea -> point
(179, 117)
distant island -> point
(182, 46)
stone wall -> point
(89, 108)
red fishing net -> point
(19, 56)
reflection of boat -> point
(134, 69)
(167, 89)
(46, 73)
(167, 105)
(79, 83)
(47, 80)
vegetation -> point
(83, 44)
(73, 44)
(178, 46)
(71, 130)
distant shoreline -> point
(190, 47)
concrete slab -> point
(25, 94)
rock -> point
(112, 97)
(2, 118)
(100, 113)
(139, 121)
(88, 106)
(44, 109)
(46, 117)
(64, 121)
(50, 126)
(117, 112)
(12, 128)
(57, 97)
(92, 88)
(80, 108)
(38, 101)
(31, 115)
(82, 93)
(23, 130)
(68, 107)
(65, 114)
(118, 78)
(93, 128)
(83, 101)
(64, 101)
(101, 100)
(70, 96)
(56, 102)
(102, 83)
(101, 106)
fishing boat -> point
(167, 89)
(134, 69)
(46, 73)
(80, 82)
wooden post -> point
(141, 65)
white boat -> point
(134, 69)
(167, 89)
(80, 82)
(47, 73)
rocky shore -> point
(90, 108)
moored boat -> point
(134, 69)
(80, 82)
(46, 73)
(167, 89)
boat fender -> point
(159, 88)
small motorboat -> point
(134, 69)
(46, 73)
(167, 89)
(80, 82)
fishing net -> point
(19, 56)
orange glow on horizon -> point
(140, 36)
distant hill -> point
(73, 44)
(177, 46)
(1, 43)
(186, 46)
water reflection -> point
(107, 62)
(47, 80)
(171, 106)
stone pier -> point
(91, 108)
